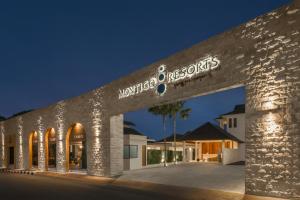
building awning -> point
(209, 131)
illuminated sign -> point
(163, 77)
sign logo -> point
(161, 77)
(164, 77)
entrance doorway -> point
(76, 148)
(11, 156)
(50, 143)
(33, 150)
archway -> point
(10, 149)
(33, 150)
(76, 148)
(50, 149)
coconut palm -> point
(173, 110)
(162, 110)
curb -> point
(12, 171)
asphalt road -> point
(14, 187)
(66, 187)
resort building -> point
(234, 123)
(134, 147)
(262, 55)
(207, 143)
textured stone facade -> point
(263, 55)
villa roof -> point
(129, 123)
(209, 131)
(170, 138)
(238, 109)
(132, 131)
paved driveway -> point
(199, 175)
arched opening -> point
(50, 149)
(76, 148)
(33, 150)
(10, 149)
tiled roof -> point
(209, 131)
(238, 109)
(170, 138)
(128, 123)
(132, 131)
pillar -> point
(61, 131)
(2, 147)
(41, 145)
(200, 151)
(116, 145)
(19, 148)
(183, 153)
(61, 165)
(196, 151)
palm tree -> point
(184, 113)
(162, 110)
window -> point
(133, 151)
(235, 122)
(130, 151)
(230, 122)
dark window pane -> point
(133, 151)
(235, 122)
(52, 155)
(230, 122)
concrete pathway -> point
(229, 178)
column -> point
(200, 151)
(183, 153)
(116, 145)
(196, 151)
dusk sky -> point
(55, 50)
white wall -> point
(231, 155)
(242, 148)
(134, 163)
(240, 130)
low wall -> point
(231, 156)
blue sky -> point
(53, 50)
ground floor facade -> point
(262, 55)
(195, 151)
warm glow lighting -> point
(98, 151)
(19, 143)
(270, 124)
(60, 109)
(269, 103)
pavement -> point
(51, 186)
(229, 178)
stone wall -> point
(86, 110)
(272, 105)
(262, 55)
